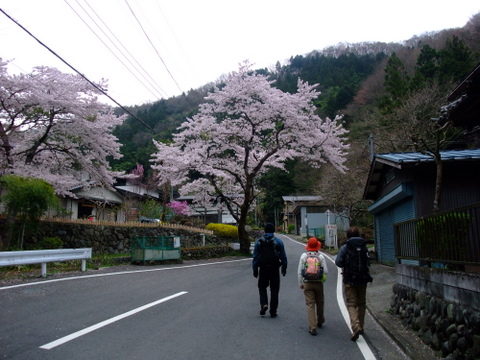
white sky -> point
(178, 45)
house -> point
(208, 214)
(402, 186)
(463, 109)
(133, 193)
(310, 214)
(93, 203)
(97, 203)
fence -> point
(130, 223)
(451, 237)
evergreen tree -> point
(397, 80)
(426, 68)
(456, 60)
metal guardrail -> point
(13, 258)
(451, 237)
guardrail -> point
(13, 258)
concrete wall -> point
(459, 287)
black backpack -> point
(268, 252)
(357, 262)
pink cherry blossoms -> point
(53, 127)
(179, 207)
(244, 128)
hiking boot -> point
(355, 335)
(264, 309)
(312, 332)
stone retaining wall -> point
(116, 239)
(424, 300)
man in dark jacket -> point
(354, 259)
(268, 256)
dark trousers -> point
(269, 276)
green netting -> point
(145, 248)
(318, 232)
(152, 242)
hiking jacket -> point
(281, 253)
(301, 265)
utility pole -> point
(370, 143)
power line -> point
(128, 52)
(78, 72)
(191, 66)
(154, 48)
(113, 53)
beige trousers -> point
(314, 298)
(356, 305)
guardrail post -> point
(44, 269)
(84, 265)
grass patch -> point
(107, 260)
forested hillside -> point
(387, 94)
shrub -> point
(291, 228)
(51, 243)
(224, 230)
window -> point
(389, 176)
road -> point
(202, 311)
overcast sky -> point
(153, 49)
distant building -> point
(310, 213)
(208, 214)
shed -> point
(402, 186)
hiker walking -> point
(312, 270)
(354, 259)
(268, 256)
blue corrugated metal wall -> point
(384, 238)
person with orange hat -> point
(312, 270)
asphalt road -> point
(202, 311)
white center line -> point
(89, 329)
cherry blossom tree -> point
(138, 174)
(179, 207)
(53, 127)
(244, 128)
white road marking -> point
(119, 273)
(89, 329)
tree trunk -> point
(22, 236)
(438, 184)
(243, 236)
(8, 235)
